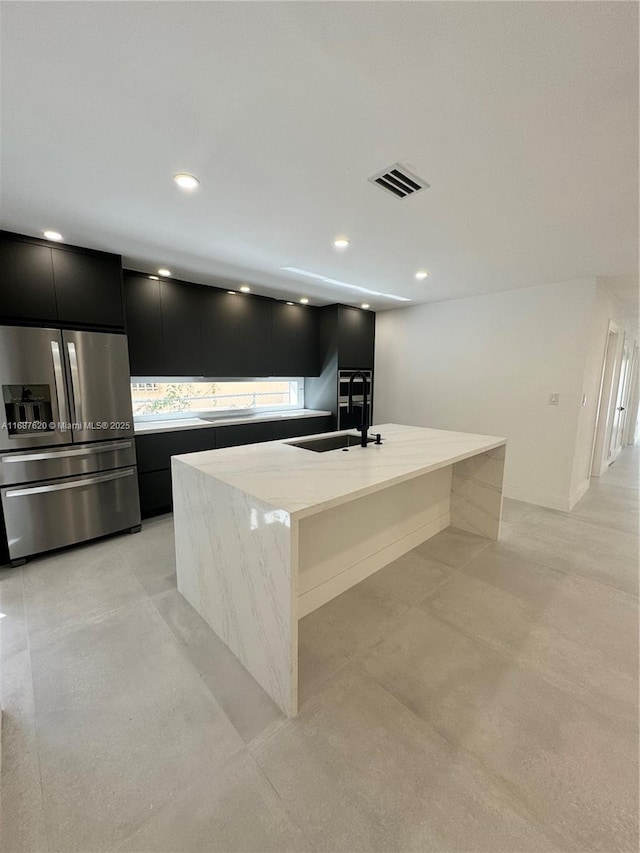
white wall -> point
(487, 364)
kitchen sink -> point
(330, 442)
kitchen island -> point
(267, 533)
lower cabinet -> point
(154, 451)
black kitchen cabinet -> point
(143, 312)
(88, 288)
(356, 338)
(219, 330)
(253, 355)
(235, 434)
(27, 289)
(347, 342)
(181, 306)
(154, 451)
(155, 492)
(294, 331)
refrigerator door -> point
(34, 400)
(99, 389)
(52, 514)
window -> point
(193, 397)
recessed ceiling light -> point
(231, 292)
(245, 288)
(365, 305)
(421, 275)
(336, 283)
(186, 181)
(304, 300)
(53, 235)
(289, 303)
(341, 242)
(153, 277)
(164, 272)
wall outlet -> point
(554, 399)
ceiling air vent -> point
(399, 181)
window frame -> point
(218, 414)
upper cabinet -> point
(143, 323)
(181, 311)
(295, 340)
(27, 291)
(219, 332)
(356, 338)
(88, 288)
(41, 283)
(253, 351)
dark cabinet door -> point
(154, 451)
(235, 434)
(181, 311)
(26, 282)
(253, 352)
(295, 340)
(356, 338)
(88, 288)
(219, 330)
(143, 316)
(155, 492)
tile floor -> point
(472, 696)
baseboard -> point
(579, 493)
(550, 500)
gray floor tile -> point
(124, 724)
(452, 547)
(513, 510)
(409, 579)
(245, 703)
(359, 772)
(563, 635)
(22, 828)
(331, 635)
(577, 547)
(70, 589)
(232, 811)
(13, 622)
(576, 769)
(613, 508)
(150, 554)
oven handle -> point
(72, 484)
(63, 454)
(58, 380)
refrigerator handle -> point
(22, 492)
(58, 378)
(75, 381)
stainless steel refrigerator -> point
(67, 451)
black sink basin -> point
(331, 442)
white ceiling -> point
(523, 117)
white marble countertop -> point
(302, 482)
(148, 427)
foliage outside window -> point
(193, 397)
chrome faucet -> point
(364, 423)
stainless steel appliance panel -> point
(99, 390)
(47, 515)
(69, 461)
(32, 381)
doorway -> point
(607, 403)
